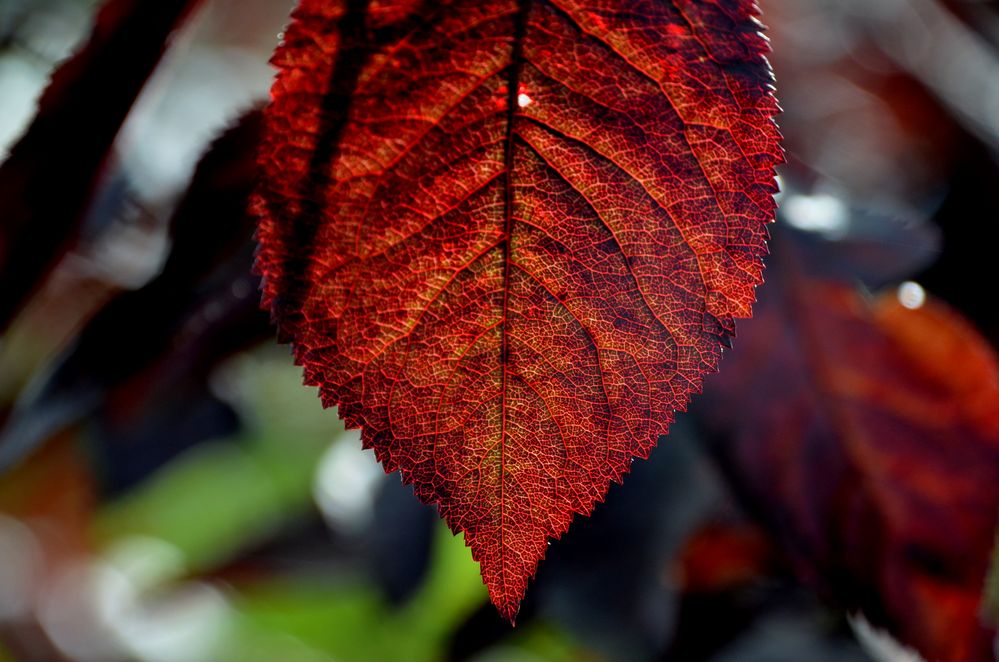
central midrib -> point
(512, 108)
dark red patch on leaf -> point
(509, 238)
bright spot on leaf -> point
(523, 100)
(821, 213)
(911, 295)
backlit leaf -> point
(508, 239)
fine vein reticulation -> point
(508, 239)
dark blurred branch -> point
(48, 180)
(201, 308)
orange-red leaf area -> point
(509, 238)
(880, 469)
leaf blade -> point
(517, 272)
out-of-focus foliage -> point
(878, 470)
(192, 502)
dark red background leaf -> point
(880, 470)
(508, 239)
(47, 181)
(719, 556)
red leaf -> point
(47, 181)
(508, 239)
(880, 469)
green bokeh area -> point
(352, 622)
(217, 501)
(222, 497)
